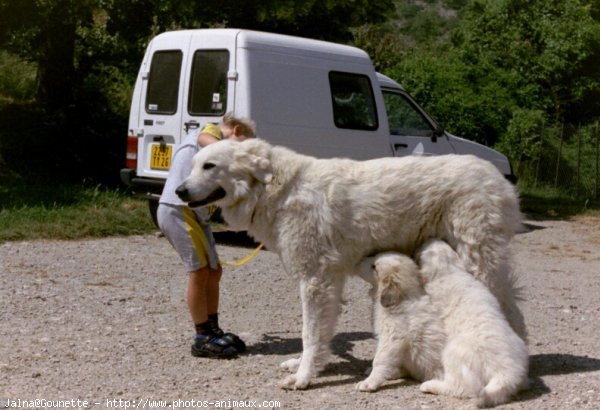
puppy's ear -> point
(254, 159)
(391, 294)
(367, 271)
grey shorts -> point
(191, 237)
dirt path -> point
(105, 321)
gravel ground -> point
(104, 321)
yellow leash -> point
(244, 261)
(212, 209)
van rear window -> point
(208, 85)
(163, 83)
(353, 101)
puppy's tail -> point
(497, 391)
(472, 385)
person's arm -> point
(205, 138)
(210, 134)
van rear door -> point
(210, 90)
(162, 76)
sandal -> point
(231, 338)
(234, 341)
(213, 346)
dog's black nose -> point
(182, 192)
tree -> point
(508, 57)
(87, 54)
(44, 31)
(321, 19)
(66, 37)
(552, 47)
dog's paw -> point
(292, 382)
(291, 365)
(367, 386)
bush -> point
(563, 158)
(17, 78)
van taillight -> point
(132, 149)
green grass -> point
(30, 211)
(69, 212)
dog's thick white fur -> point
(484, 357)
(323, 216)
(409, 328)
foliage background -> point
(519, 75)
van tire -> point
(153, 208)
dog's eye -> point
(208, 166)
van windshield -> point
(208, 85)
(404, 118)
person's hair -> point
(248, 126)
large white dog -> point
(484, 358)
(323, 216)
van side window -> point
(208, 85)
(404, 118)
(353, 101)
(163, 83)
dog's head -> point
(437, 258)
(225, 172)
(398, 278)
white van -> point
(318, 98)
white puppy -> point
(484, 357)
(410, 331)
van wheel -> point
(153, 208)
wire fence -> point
(566, 158)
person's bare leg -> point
(197, 292)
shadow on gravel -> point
(529, 227)
(341, 346)
(555, 363)
(550, 364)
(240, 239)
(276, 344)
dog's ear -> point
(391, 294)
(260, 168)
(254, 158)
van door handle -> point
(398, 146)
(191, 125)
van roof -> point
(277, 43)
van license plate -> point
(161, 156)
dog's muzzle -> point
(184, 194)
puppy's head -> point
(225, 172)
(437, 258)
(398, 278)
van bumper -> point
(512, 178)
(149, 188)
